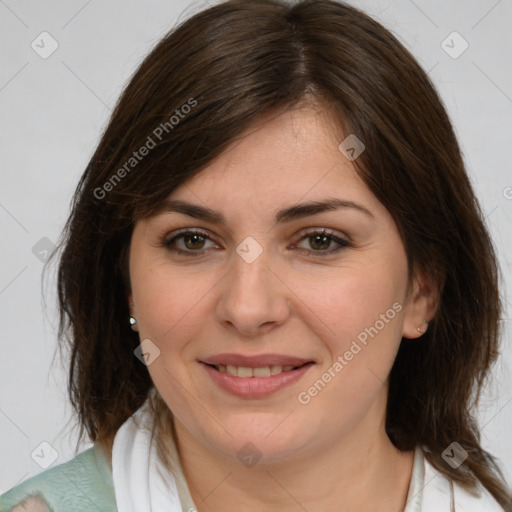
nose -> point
(253, 299)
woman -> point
(276, 283)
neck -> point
(362, 471)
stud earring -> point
(425, 323)
(133, 320)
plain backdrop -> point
(55, 106)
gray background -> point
(53, 111)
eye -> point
(191, 241)
(321, 240)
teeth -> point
(232, 370)
(275, 369)
(264, 371)
(261, 371)
(244, 371)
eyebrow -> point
(285, 215)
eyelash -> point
(342, 244)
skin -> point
(333, 453)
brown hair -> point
(231, 64)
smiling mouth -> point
(260, 371)
(255, 382)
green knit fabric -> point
(84, 484)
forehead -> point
(285, 158)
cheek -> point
(357, 301)
(169, 299)
(363, 311)
(170, 305)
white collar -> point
(141, 481)
(443, 494)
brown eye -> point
(188, 242)
(193, 241)
(319, 243)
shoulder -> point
(84, 483)
(437, 495)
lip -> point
(255, 361)
(256, 387)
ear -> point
(421, 304)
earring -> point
(133, 320)
(425, 323)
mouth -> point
(259, 371)
(255, 376)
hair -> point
(209, 79)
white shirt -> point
(431, 491)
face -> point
(271, 322)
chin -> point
(269, 441)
